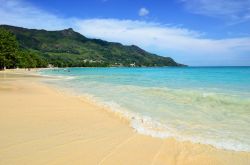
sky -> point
(192, 32)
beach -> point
(42, 125)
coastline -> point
(40, 125)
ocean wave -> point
(148, 126)
(214, 117)
(56, 77)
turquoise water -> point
(209, 105)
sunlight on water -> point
(205, 105)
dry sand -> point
(40, 125)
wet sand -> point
(41, 125)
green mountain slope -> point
(69, 48)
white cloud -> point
(233, 10)
(154, 36)
(21, 13)
(143, 12)
(185, 45)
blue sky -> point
(194, 32)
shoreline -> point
(61, 128)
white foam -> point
(148, 126)
(56, 77)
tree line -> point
(12, 56)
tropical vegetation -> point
(21, 47)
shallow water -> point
(209, 105)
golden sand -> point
(40, 125)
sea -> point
(206, 105)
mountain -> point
(69, 48)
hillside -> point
(68, 48)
